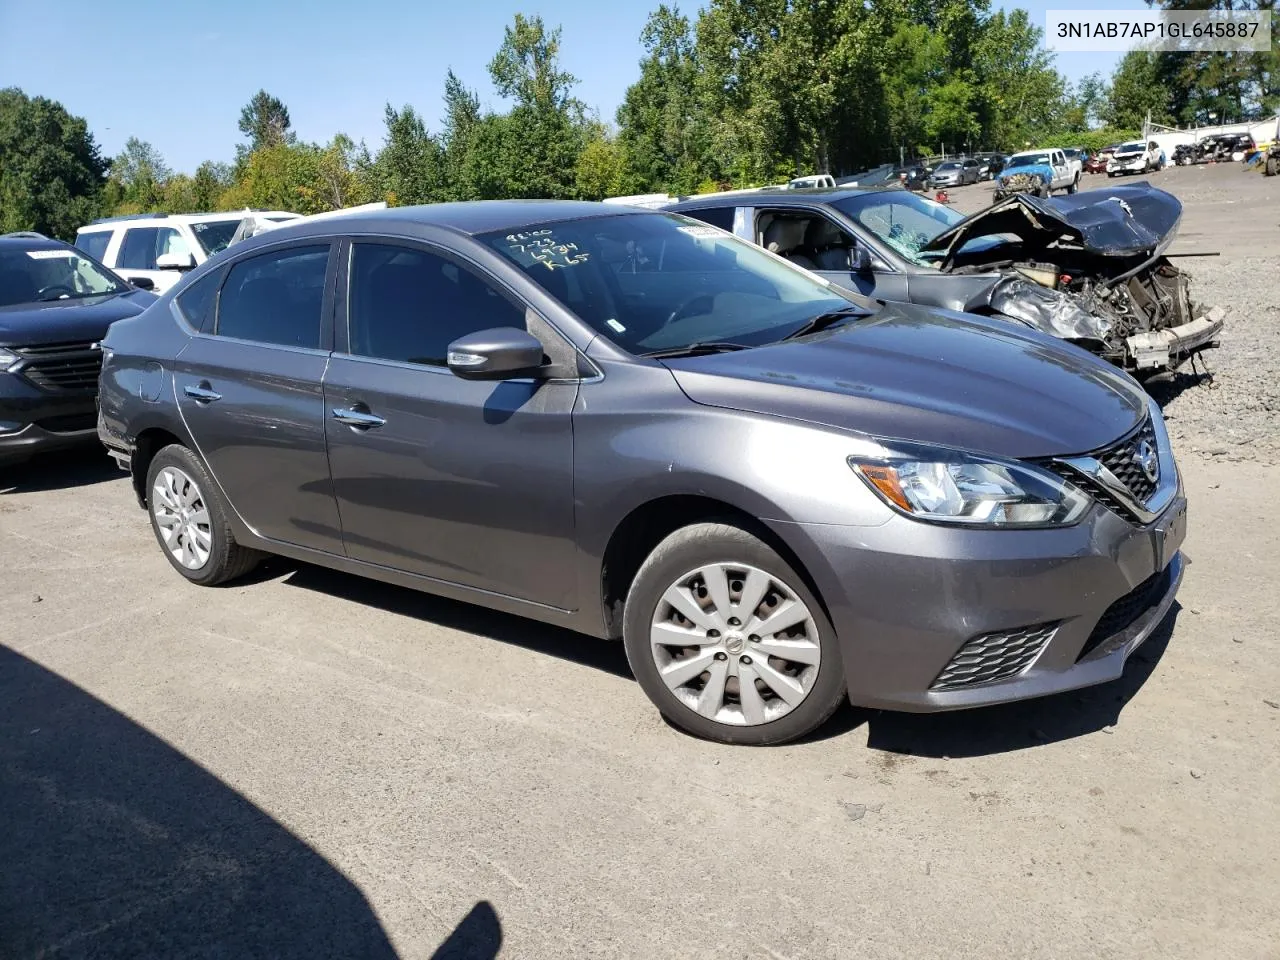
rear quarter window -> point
(196, 302)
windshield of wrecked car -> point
(905, 221)
(215, 235)
(1132, 148)
(59, 273)
(657, 281)
(1028, 160)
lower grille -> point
(62, 367)
(69, 423)
(1122, 614)
(994, 656)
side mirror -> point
(503, 353)
(142, 283)
(175, 261)
(861, 259)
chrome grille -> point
(62, 367)
(1123, 461)
(994, 656)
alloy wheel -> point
(182, 517)
(735, 644)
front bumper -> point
(909, 600)
(34, 421)
(1171, 346)
(1128, 166)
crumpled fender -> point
(1046, 310)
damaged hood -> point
(1125, 221)
(932, 376)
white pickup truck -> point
(1039, 172)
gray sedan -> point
(635, 426)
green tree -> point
(1021, 92)
(461, 120)
(265, 121)
(409, 167)
(51, 172)
(1137, 88)
(601, 170)
(210, 180)
(660, 121)
(138, 177)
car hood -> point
(931, 376)
(1113, 222)
(1038, 169)
(68, 320)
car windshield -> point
(52, 273)
(656, 282)
(215, 235)
(948, 166)
(1132, 148)
(1028, 160)
(905, 221)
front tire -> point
(728, 641)
(189, 520)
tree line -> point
(745, 93)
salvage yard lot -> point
(308, 764)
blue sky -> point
(176, 73)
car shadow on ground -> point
(603, 655)
(58, 471)
(966, 733)
(1022, 725)
(117, 845)
(1165, 389)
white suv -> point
(159, 247)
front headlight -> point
(7, 359)
(946, 486)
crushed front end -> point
(1091, 268)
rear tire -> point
(752, 620)
(189, 520)
(1074, 186)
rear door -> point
(469, 482)
(250, 392)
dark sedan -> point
(56, 304)
(637, 426)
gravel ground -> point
(1235, 413)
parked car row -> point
(543, 407)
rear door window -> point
(276, 297)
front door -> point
(463, 481)
(250, 394)
(140, 247)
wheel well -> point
(649, 524)
(149, 443)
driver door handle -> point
(202, 393)
(359, 419)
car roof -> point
(31, 243)
(781, 198)
(468, 217)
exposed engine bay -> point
(1089, 268)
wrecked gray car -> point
(1090, 267)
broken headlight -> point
(948, 486)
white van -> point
(160, 247)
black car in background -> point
(989, 164)
(56, 304)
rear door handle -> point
(360, 419)
(202, 393)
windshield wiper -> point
(696, 349)
(824, 320)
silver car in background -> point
(778, 494)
